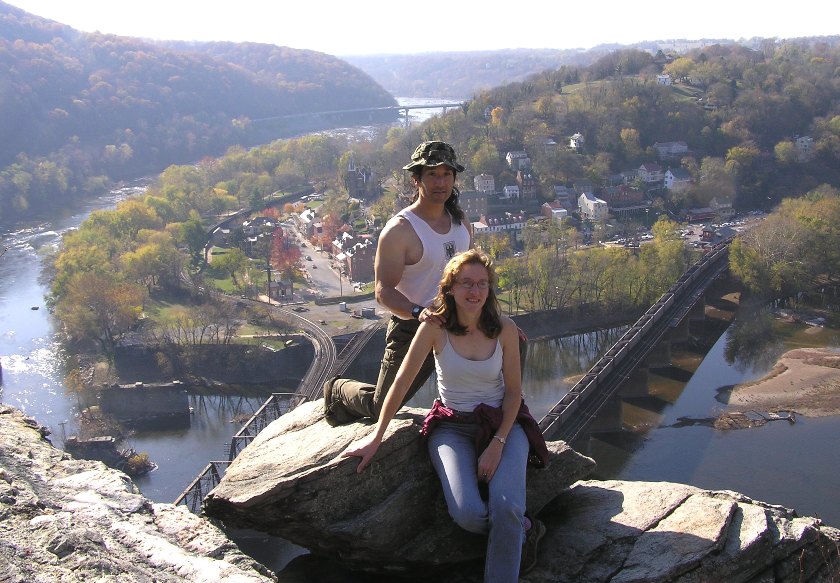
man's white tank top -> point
(419, 282)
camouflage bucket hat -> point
(434, 154)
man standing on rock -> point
(413, 250)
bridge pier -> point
(660, 355)
(698, 310)
(609, 417)
(679, 333)
(636, 384)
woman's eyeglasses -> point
(467, 284)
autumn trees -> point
(555, 272)
(98, 307)
(793, 249)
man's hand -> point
(428, 316)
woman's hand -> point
(489, 460)
(363, 448)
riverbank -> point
(804, 380)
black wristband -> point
(415, 312)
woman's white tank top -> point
(463, 384)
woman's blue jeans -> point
(501, 516)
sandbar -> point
(804, 380)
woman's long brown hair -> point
(490, 320)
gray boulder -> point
(69, 520)
(291, 482)
(641, 532)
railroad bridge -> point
(577, 410)
(567, 420)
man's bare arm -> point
(391, 257)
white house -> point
(651, 172)
(664, 79)
(518, 159)
(507, 223)
(554, 210)
(593, 208)
(510, 192)
(576, 141)
(677, 179)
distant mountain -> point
(76, 106)
(459, 75)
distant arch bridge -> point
(401, 110)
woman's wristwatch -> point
(415, 312)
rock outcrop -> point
(641, 532)
(291, 482)
(63, 519)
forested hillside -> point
(460, 75)
(738, 110)
(79, 109)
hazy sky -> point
(390, 26)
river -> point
(790, 465)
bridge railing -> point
(275, 406)
(193, 496)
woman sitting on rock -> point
(479, 430)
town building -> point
(804, 148)
(510, 192)
(723, 208)
(281, 290)
(473, 203)
(564, 196)
(670, 150)
(677, 179)
(485, 183)
(507, 223)
(527, 183)
(357, 259)
(359, 181)
(592, 208)
(651, 173)
(518, 160)
(554, 211)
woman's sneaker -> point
(529, 548)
